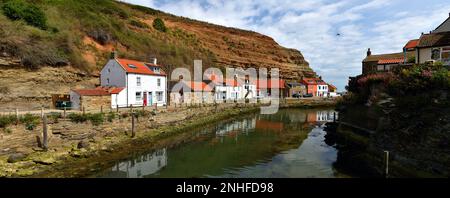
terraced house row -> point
(126, 83)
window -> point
(132, 66)
(156, 70)
(435, 53)
(445, 55)
(380, 67)
(109, 70)
(159, 96)
(138, 96)
(107, 80)
(159, 82)
(138, 81)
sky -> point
(333, 35)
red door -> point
(145, 99)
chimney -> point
(113, 54)
(369, 53)
(154, 61)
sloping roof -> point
(193, 86)
(314, 81)
(99, 91)
(434, 40)
(376, 58)
(330, 86)
(411, 44)
(138, 67)
(446, 20)
(391, 61)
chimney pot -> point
(369, 52)
(113, 54)
(154, 61)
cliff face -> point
(240, 48)
(79, 35)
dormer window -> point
(132, 66)
(156, 70)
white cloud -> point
(333, 36)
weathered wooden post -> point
(42, 112)
(101, 109)
(386, 159)
(84, 110)
(64, 115)
(156, 106)
(334, 116)
(131, 108)
(133, 132)
(117, 108)
(44, 133)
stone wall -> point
(94, 103)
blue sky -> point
(312, 26)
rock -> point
(45, 160)
(16, 157)
(83, 144)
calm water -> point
(287, 144)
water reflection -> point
(140, 166)
(287, 144)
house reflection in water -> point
(231, 128)
(323, 116)
(140, 166)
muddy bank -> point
(78, 150)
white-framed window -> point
(138, 81)
(156, 70)
(158, 82)
(107, 80)
(380, 67)
(159, 96)
(445, 55)
(138, 96)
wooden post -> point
(84, 110)
(117, 108)
(42, 112)
(334, 116)
(101, 109)
(44, 133)
(133, 132)
(64, 115)
(131, 108)
(386, 159)
(156, 106)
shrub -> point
(18, 10)
(138, 24)
(30, 121)
(125, 115)
(101, 35)
(77, 118)
(96, 119)
(55, 116)
(111, 116)
(159, 25)
(7, 130)
(7, 120)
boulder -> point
(83, 144)
(16, 157)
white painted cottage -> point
(144, 83)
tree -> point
(159, 25)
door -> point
(150, 98)
(145, 99)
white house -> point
(144, 83)
(233, 90)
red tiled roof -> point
(267, 84)
(200, 86)
(314, 81)
(391, 61)
(411, 44)
(99, 91)
(137, 67)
